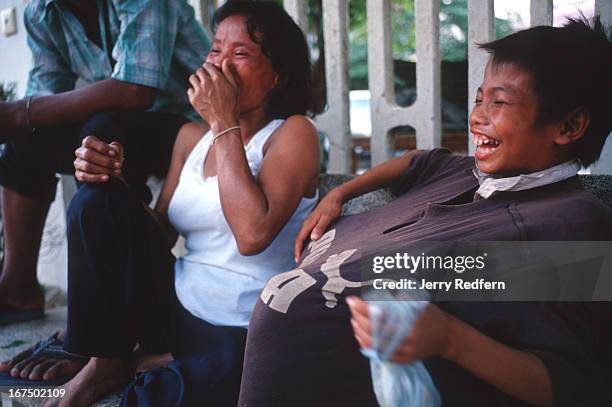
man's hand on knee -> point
(97, 161)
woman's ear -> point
(573, 126)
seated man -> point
(542, 110)
(134, 58)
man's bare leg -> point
(24, 219)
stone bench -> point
(17, 337)
(598, 185)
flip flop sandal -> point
(53, 348)
(47, 348)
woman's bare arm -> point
(257, 209)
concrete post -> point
(297, 9)
(481, 28)
(603, 8)
(335, 120)
(541, 12)
(425, 114)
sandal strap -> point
(54, 348)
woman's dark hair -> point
(571, 68)
(281, 40)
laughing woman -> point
(238, 192)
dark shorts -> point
(29, 165)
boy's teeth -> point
(480, 140)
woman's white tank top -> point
(213, 280)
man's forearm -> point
(78, 105)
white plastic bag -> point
(397, 385)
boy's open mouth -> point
(485, 145)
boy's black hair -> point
(281, 40)
(571, 67)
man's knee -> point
(24, 173)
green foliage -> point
(7, 91)
(453, 34)
(453, 30)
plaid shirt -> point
(155, 43)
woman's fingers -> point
(97, 152)
(213, 72)
(194, 81)
(229, 70)
(91, 168)
(85, 177)
(202, 76)
(100, 159)
(119, 149)
(191, 95)
(94, 143)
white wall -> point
(15, 58)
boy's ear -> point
(573, 126)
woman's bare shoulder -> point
(187, 138)
(296, 145)
(298, 131)
(300, 122)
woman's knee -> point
(107, 126)
(93, 200)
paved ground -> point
(15, 338)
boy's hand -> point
(97, 161)
(430, 336)
(318, 221)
